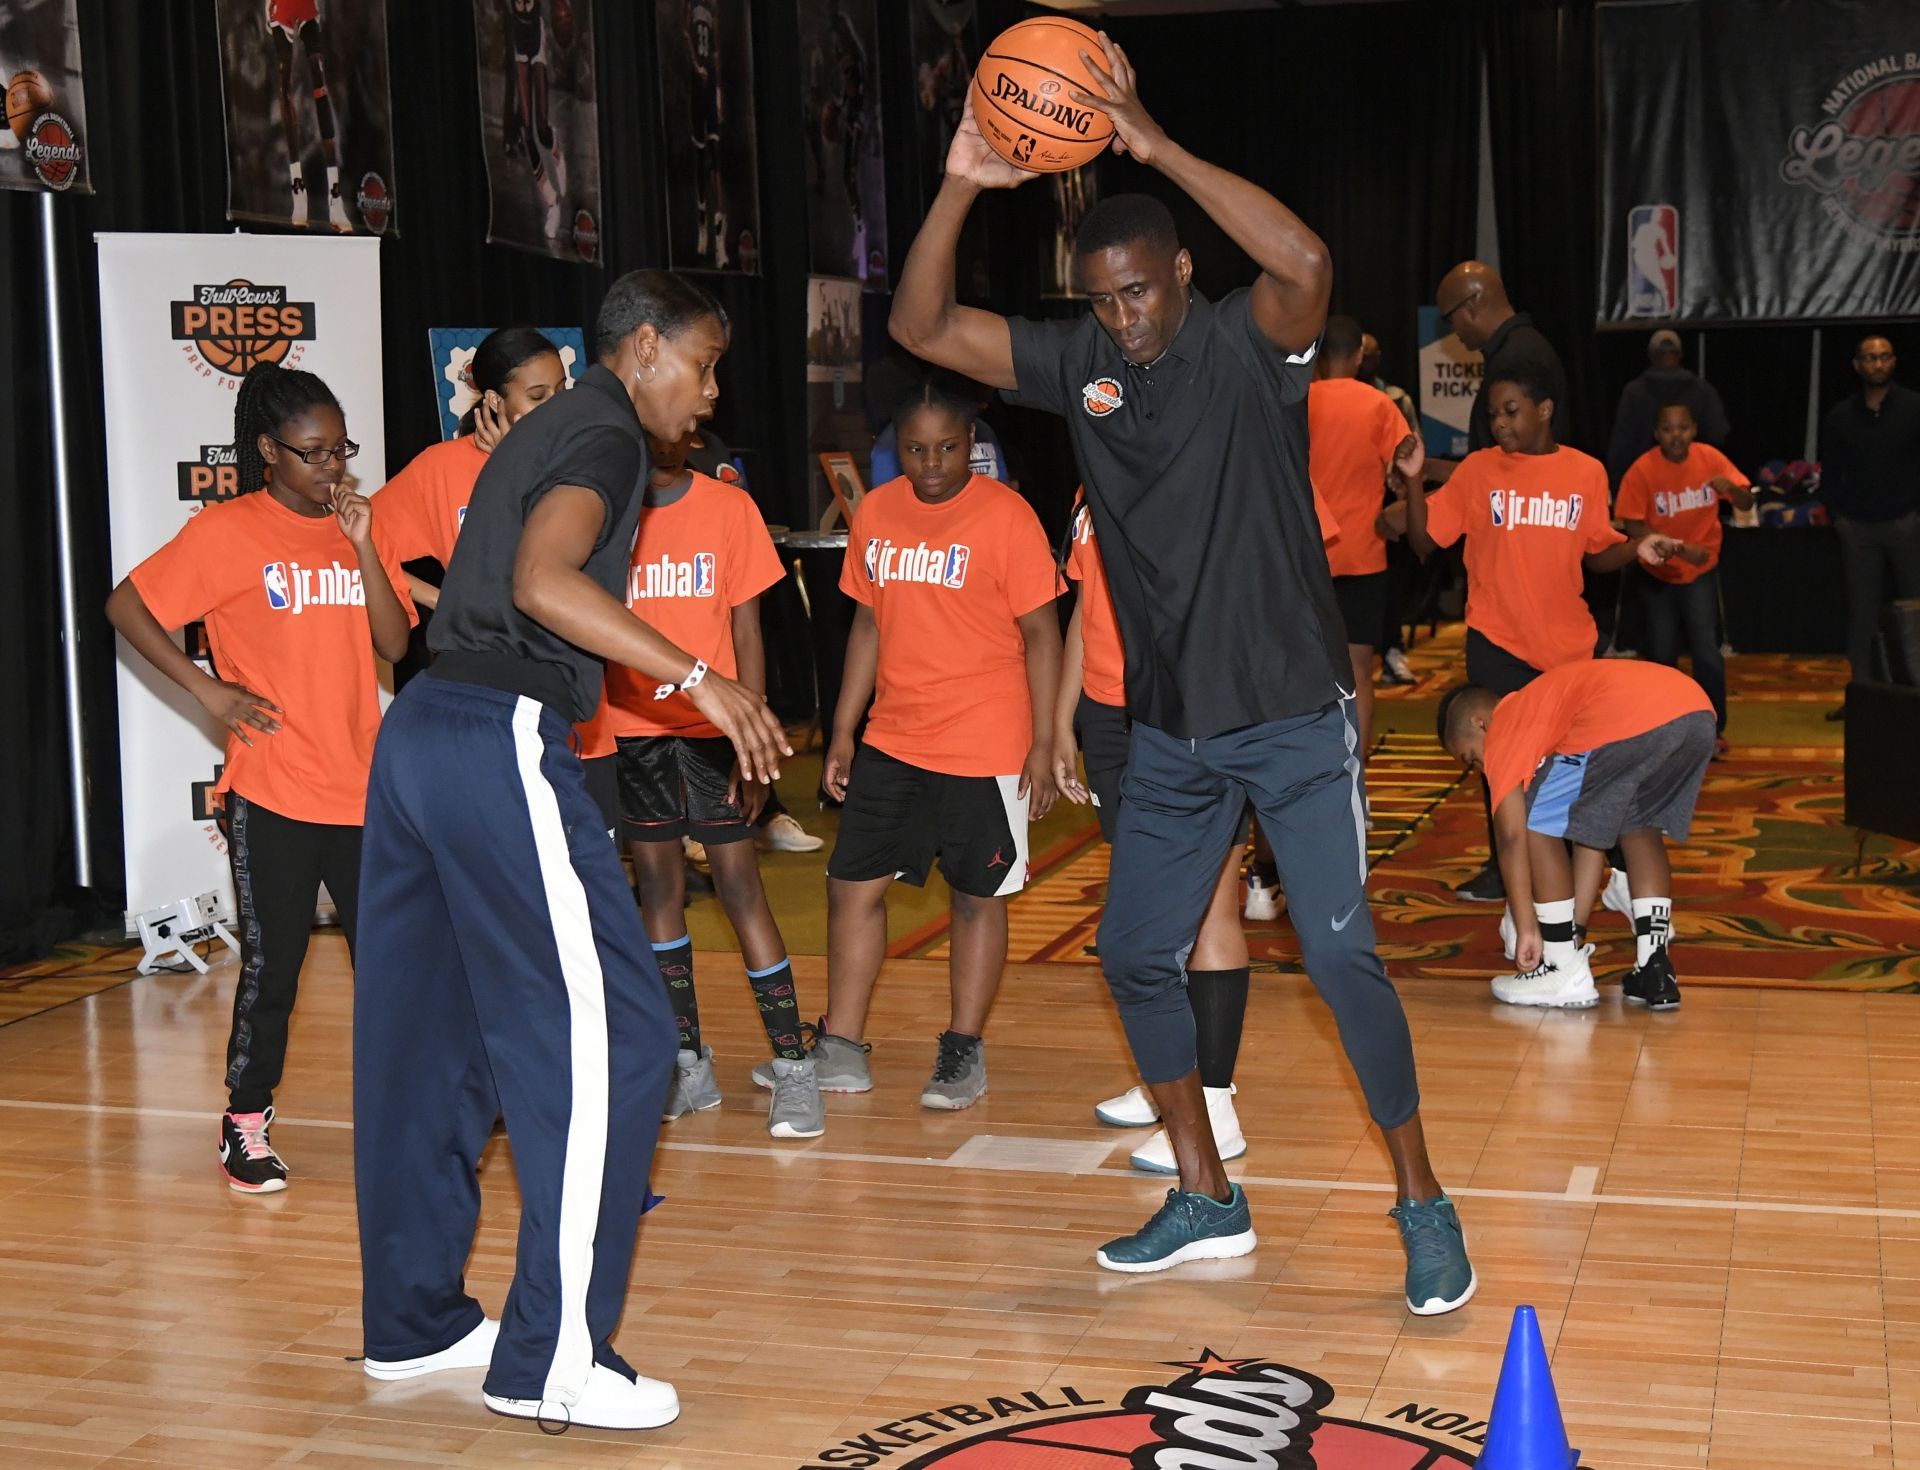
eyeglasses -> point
(1447, 312)
(1876, 357)
(344, 451)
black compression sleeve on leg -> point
(1219, 1001)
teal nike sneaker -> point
(1439, 1276)
(1188, 1227)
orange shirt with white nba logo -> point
(1103, 669)
(1352, 431)
(948, 585)
(1580, 707)
(1529, 519)
(422, 506)
(286, 616)
(1678, 500)
(694, 562)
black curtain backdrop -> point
(1363, 118)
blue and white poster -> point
(1449, 382)
(453, 348)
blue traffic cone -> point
(1525, 1431)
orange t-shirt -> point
(423, 505)
(1580, 707)
(694, 562)
(1352, 431)
(1103, 670)
(1678, 500)
(948, 584)
(286, 617)
(1528, 520)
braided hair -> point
(500, 355)
(936, 392)
(269, 397)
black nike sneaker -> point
(1653, 985)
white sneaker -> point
(337, 220)
(1156, 1156)
(1132, 1109)
(1571, 989)
(1263, 901)
(1617, 895)
(1509, 939)
(609, 1401)
(559, 162)
(785, 834)
(475, 1350)
(1396, 664)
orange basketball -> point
(1023, 96)
(28, 95)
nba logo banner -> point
(1653, 260)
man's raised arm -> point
(1296, 279)
(926, 320)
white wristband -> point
(699, 672)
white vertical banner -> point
(182, 319)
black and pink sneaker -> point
(246, 1157)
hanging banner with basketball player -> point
(1074, 193)
(309, 136)
(182, 319)
(44, 144)
(706, 107)
(540, 125)
(452, 349)
(945, 37)
(1758, 173)
(846, 173)
(836, 420)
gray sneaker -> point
(838, 1064)
(795, 1109)
(694, 1090)
(959, 1073)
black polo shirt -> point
(1516, 345)
(1870, 459)
(588, 437)
(1196, 469)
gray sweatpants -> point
(1181, 808)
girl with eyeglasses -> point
(298, 593)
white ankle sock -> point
(1556, 930)
(1652, 924)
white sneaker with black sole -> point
(610, 1400)
(1567, 989)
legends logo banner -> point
(1244, 1412)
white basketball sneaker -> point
(1568, 988)
(1156, 1155)
(1132, 1109)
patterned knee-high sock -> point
(675, 959)
(779, 1009)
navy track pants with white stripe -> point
(503, 968)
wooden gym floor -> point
(1716, 1214)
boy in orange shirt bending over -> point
(1676, 488)
(1597, 754)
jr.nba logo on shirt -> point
(957, 557)
(933, 566)
(1653, 260)
(1677, 502)
(666, 577)
(1513, 509)
(294, 588)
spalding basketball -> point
(28, 95)
(1023, 96)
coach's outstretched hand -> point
(1133, 131)
(743, 717)
(971, 158)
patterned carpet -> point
(1766, 893)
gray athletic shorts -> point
(1649, 780)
